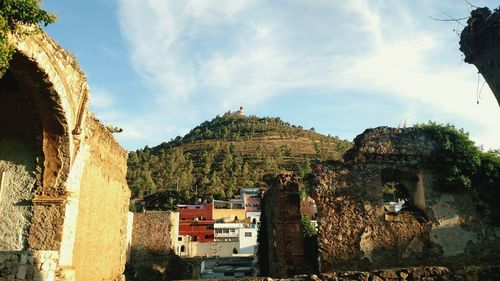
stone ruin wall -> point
(152, 234)
(480, 44)
(153, 242)
(283, 227)
(101, 224)
(64, 198)
(356, 231)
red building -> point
(196, 221)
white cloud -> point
(226, 53)
(100, 99)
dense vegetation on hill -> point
(230, 151)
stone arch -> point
(66, 162)
(50, 122)
(56, 94)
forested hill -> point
(218, 157)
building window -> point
(183, 249)
(225, 230)
(195, 238)
(179, 239)
(248, 234)
(228, 273)
(232, 230)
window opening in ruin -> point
(183, 249)
(396, 197)
(403, 191)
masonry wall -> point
(17, 182)
(283, 220)
(100, 243)
(64, 197)
(17, 164)
(356, 231)
(151, 234)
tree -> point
(14, 13)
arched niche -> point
(34, 158)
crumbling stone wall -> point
(103, 209)
(357, 231)
(480, 43)
(151, 235)
(154, 239)
(17, 166)
(284, 235)
(64, 188)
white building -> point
(247, 239)
(244, 234)
(228, 232)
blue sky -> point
(157, 68)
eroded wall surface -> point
(151, 235)
(17, 164)
(358, 231)
(283, 220)
(16, 182)
(480, 44)
(100, 244)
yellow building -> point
(228, 211)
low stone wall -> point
(152, 234)
(28, 265)
(413, 273)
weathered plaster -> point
(17, 166)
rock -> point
(389, 274)
(21, 272)
(314, 277)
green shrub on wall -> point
(456, 159)
(461, 166)
(12, 14)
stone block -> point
(24, 258)
(21, 272)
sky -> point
(158, 68)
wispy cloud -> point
(219, 54)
